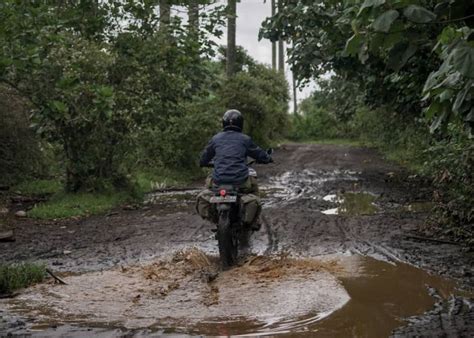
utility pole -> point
(281, 46)
(274, 48)
(231, 47)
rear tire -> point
(226, 240)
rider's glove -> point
(270, 160)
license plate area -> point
(224, 199)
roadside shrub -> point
(261, 94)
(314, 123)
(404, 141)
(17, 276)
(452, 166)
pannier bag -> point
(204, 207)
(250, 208)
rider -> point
(229, 150)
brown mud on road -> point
(337, 250)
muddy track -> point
(294, 222)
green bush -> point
(17, 276)
(261, 94)
(38, 187)
(451, 163)
(403, 141)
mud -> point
(188, 293)
(294, 191)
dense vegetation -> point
(401, 75)
(107, 95)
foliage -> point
(17, 276)
(262, 96)
(326, 113)
(392, 40)
(38, 187)
(452, 165)
(21, 153)
(96, 88)
(412, 65)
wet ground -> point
(339, 254)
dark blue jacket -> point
(230, 149)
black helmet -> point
(233, 120)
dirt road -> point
(340, 240)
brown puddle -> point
(334, 296)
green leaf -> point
(363, 53)
(432, 110)
(400, 54)
(470, 116)
(59, 106)
(353, 45)
(461, 97)
(463, 60)
(370, 3)
(385, 20)
(418, 14)
(438, 122)
(446, 95)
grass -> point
(65, 205)
(17, 276)
(150, 180)
(39, 187)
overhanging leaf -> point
(418, 14)
(470, 117)
(400, 54)
(438, 122)
(370, 3)
(353, 45)
(385, 20)
(463, 60)
(461, 97)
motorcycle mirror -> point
(270, 151)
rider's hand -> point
(271, 160)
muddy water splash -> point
(336, 296)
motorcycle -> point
(231, 231)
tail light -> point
(223, 192)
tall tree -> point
(231, 46)
(274, 50)
(281, 46)
(193, 13)
(165, 14)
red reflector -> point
(223, 192)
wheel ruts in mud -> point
(226, 241)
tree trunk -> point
(274, 48)
(193, 14)
(231, 48)
(165, 14)
(281, 47)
